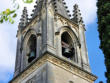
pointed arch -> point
(69, 43)
(70, 31)
(29, 46)
(27, 36)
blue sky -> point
(8, 39)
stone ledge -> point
(56, 61)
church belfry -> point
(51, 46)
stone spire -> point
(61, 8)
(37, 9)
(77, 15)
(24, 18)
(58, 5)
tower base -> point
(51, 69)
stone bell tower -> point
(51, 46)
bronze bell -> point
(67, 52)
(31, 56)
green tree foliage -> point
(9, 15)
(27, 1)
(104, 32)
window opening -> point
(67, 46)
(32, 48)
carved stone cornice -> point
(56, 61)
(68, 21)
(71, 68)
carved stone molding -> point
(58, 62)
(72, 68)
(66, 21)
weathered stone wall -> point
(51, 69)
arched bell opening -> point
(32, 48)
(68, 49)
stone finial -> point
(24, 18)
(77, 15)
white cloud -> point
(8, 36)
(8, 41)
(7, 49)
(88, 9)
